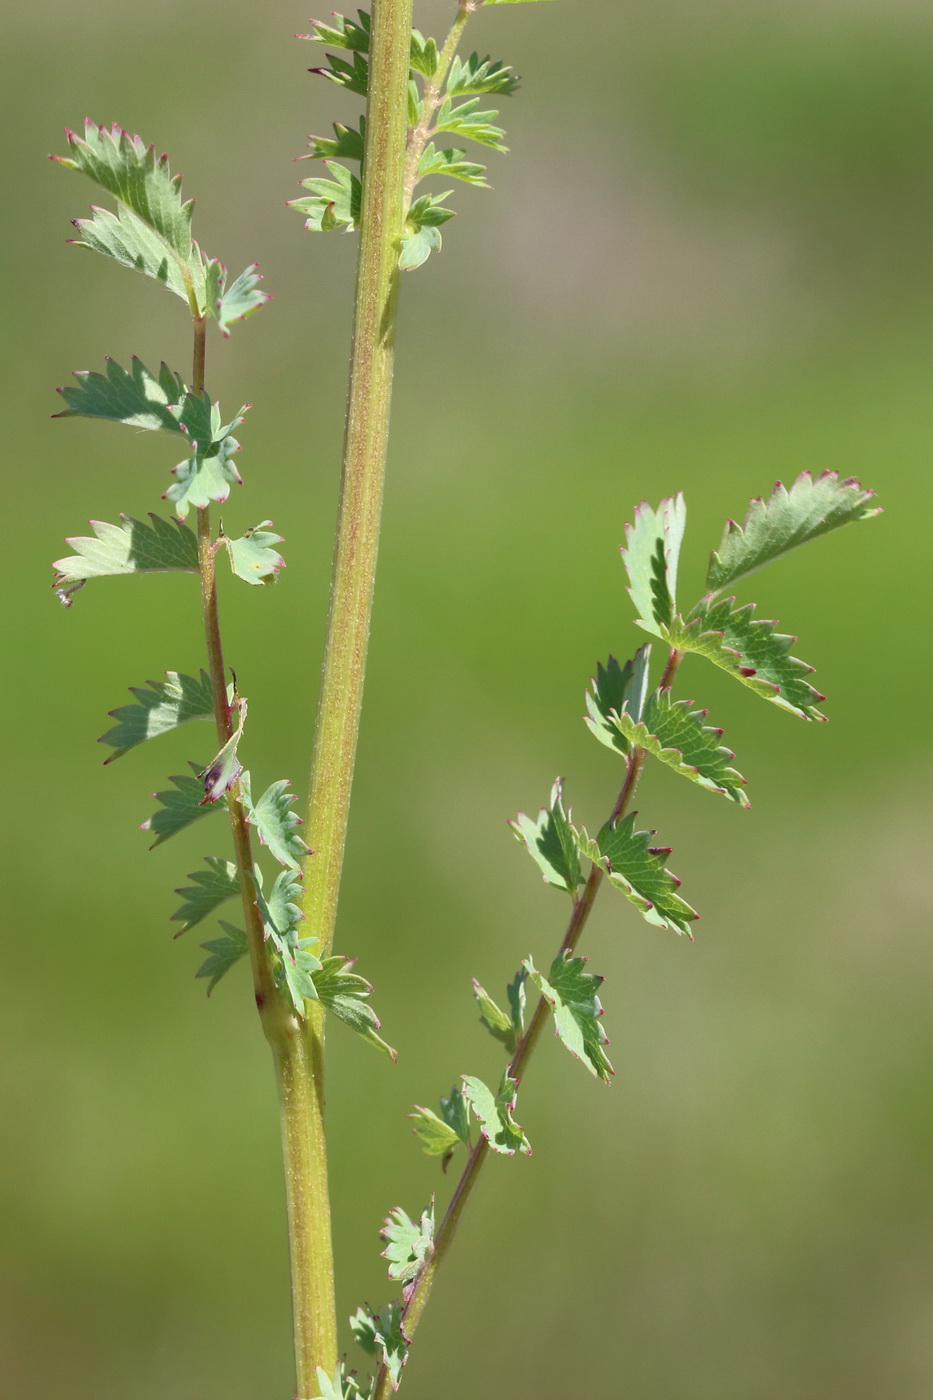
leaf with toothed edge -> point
(451, 163)
(338, 1386)
(128, 548)
(550, 842)
(638, 870)
(439, 1135)
(224, 953)
(135, 396)
(676, 735)
(788, 519)
(241, 299)
(274, 820)
(348, 143)
(346, 994)
(424, 55)
(494, 1115)
(130, 242)
(222, 772)
(343, 33)
(209, 889)
(750, 649)
(650, 555)
(179, 807)
(334, 203)
(498, 1025)
(281, 910)
(165, 705)
(463, 119)
(382, 1334)
(468, 77)
(408, 1244)
(571, 994)
(353, 76)
(252, 557)
(613, 687)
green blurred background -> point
(705, 265)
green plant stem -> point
(582, 907)
(430, 100)
(301, 1107)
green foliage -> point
(222, 772)
(785, 521)
(464, 119)
(209, 889)
(440, 1135)
(343, 33)
(179, 807)
(223, 954)
(676, 735)
(128, 548)
(162, 707)
(638, 870)
(751, 650)
(334, 203)
(347, 144)
(239, 300)
(408, 1244)
(571, 994)
(346, 994)
(651, 553)
(451, 164)
(252, 556)
(208, 473)
(354, 76)
(551, 843)
(613, 688)
(424, 55)
(494, 1114)
(275, 822)
(424, 219)
(498, 1025)
(132, 243)
(470, 77)
(135, 396)
(338, 1386)
(381, 1335)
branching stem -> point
(582, 907)
(431, 98)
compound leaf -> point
(408, 1244)
(346, 994)
(638, 870)
(676, 735)
(463, 119)
(178, 807)
(550, 842)
(750, 649)
(223, 954)
(494, 1114)
(274, 820)
(381, 1334)
(135, 396)
(650, 555)
(571, 994)
(788, 518)
(162, 707)
(612, 688)
(209, 889)
(252, 557)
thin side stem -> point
(430, 99)
(582, 907)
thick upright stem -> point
(365, 442)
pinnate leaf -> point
(676, 735)
(494, 1114)
(464, 119)
(275, 822)
(638, 870)
(162, 707)
(650, 555)
(451, 163)
(788, 518)
(223, 954)
(470, 76)
(209, 889)
(128, 548)
(253, 557)
(551, 843)
(408, 1244)
(571, 994)
(346, 994)
(612, 688)
(179, 806)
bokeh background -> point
(705, 265)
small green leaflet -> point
(785, 521)
(132, 243)
(550, 842)
(423, 237)
(223, 953)
(274, 820)
(613, 687)
(222, 772)
(135, 396)
(252, 557)
(638, 870)
(348, 144)
(676, 735)
(343, 33)
(463, 119)
(354, 76)
(650, 555)
(424, 55)
(337, 1387)
(178, 807)
(346, 994)
(128, 548)
(470, 76)
(407, 1245)
(515, 992)
(440, 1135)
(296, 971)
(571, 994)
(130, 170)
(162, 707)
(417, 248)
(496, 1022)
(750, 649)
(335, 203)
(239, 300)
(494, 1114)
(451, 163)
(209, 889)
(208, 473)
(281, 911)
(381, 1334)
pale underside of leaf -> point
(346, 994)
(613, 687)
(223, 953)
(163, 706)
(550, 842)
(179, 806)
(275, 821)
(650, 555)
(209, 889)
(253, 557)
(494, 1114)
(128, 548)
